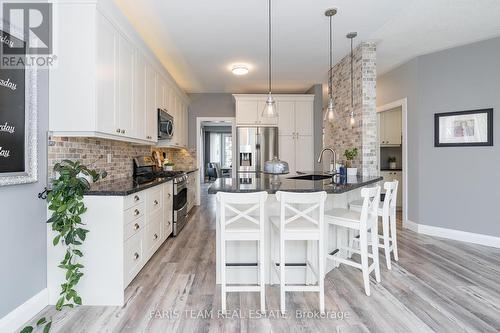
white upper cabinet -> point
(390, 127)
(111, 85)
(246, 112)
(286, 118)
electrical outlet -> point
(109, 157)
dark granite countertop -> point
(263, 183)
(122, 186)
(191, 170)
(388, 169)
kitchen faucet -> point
(333, 161)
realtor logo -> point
(35, 22)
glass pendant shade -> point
(270, 108)
(330, 114)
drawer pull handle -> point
(136, 256)
(156, 202)
(136, 212)
(136, 198)
(155, 236)
(136, 226)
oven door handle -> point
(179, 187)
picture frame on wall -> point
(464, 128)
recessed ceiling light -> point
(239, 69)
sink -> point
(311, 177)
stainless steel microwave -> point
(165, 125)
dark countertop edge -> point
(332, 191)
(191, 170)
(122, 193)
(387, 169)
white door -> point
(151, 110)
(246, 112)
(106, 77)
(125, 87)
(140, 105)
(304, 153)
(287, 151)
(304, 117)
(286, 120)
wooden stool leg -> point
(282, 274)
(262, 276)
(223, 274)
(394, 234)
(374, 234)
(363, 246)
(387, 243)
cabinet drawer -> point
(134, 199)
(153, 234)
(134, 227)
(133, 257)
(153, 199)
(134, 213)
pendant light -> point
(270, 107)
(351, 36)
(330, 109)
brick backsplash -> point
(340, 135)
(94, 152)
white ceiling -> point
(198, 41)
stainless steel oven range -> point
(180, 202)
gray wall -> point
(208, 105)
(23, 225)
(317, 91)
(457, 187)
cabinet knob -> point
(136, 226)
(155, 202)
(122, 131)
(136, 198)
(169, 222)
(136, 212)
(136, 256)
(155, 236)
(117, 130)
(169, 195)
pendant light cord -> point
(269, 47)
(330, 72)
(352, 84)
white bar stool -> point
(301, 218)
(242, 219)
(363, 221)
(387, 209)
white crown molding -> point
(24, 312)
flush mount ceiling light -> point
(329, 114)
(270, 107)
(351, 36)
(239, 69)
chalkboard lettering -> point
(7, 83)
(4, 153)
(5, 40)
(7, 128)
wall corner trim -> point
(24, 312)
(459, 235)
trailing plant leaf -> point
(65, 201)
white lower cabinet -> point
(124, 233)
(390, 176)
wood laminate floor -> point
(438, 285)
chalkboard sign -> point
(18, 137)
(12, 120)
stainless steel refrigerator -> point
(255, 146)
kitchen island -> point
(340, 193)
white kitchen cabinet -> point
(249, 112)
(390, 128)
(105, 87)
(286, 119)
(390, 176)
(124, 232)
(304, 153)
(287, 151)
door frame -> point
(403, 103)
(200, 140)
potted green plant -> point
(350, 155)
(392, 162)
(168, 166)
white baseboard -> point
(459, 235)
(20, 315)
